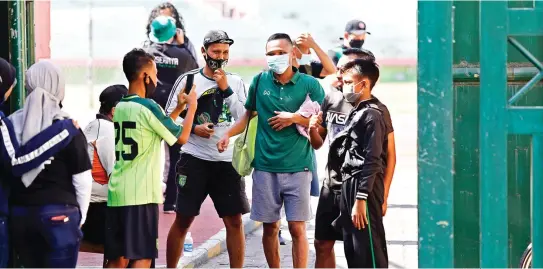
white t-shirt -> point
(101, 132)
(210, 110)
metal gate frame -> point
(435, 134)
(498, 118)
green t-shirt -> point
(285, 151)
(140, 126)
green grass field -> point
(107, 75)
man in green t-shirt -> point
(283, 157)
(135, 184)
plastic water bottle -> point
(187, 247)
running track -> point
(205, 226)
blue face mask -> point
(278, 63)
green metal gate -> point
(18, 43)
(480, 132)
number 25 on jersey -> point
(121, 135)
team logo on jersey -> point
(336, 118)
(225, 116)
(167, 62)
(204, 118)
(182, 180)
(210, 91)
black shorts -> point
(327, 211)
(132, 232)
(197, 178)
(94, 229)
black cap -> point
(7, 77)
(356, 27)
(111, 95)
(217, 36)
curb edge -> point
(215, 245)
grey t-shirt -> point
(335, 111)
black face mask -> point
(149, 87)
(354, 43)
(215, 64)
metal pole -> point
(90, 59)
(17, 19)
(30, 34)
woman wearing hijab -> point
(39, 149)
(48, 203)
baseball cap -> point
(356, 27)
(217, 36)
(162, 29)
(7, 77)
(111, 95)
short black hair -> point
(278, 36)
(179, 23)
(360, 53)
(134, 61)
(363, 67)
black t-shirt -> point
(314, 69)
(335, 110)
(54, 184)
(171, 61)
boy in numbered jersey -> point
(134, 186)
(201, 169)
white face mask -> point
(278, 63)
(305, 60)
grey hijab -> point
(44, 84)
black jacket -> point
(358, 153)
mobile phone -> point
(188, 85)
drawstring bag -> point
(244, 146)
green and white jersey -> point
(140, 126)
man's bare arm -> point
(241, 124)
(391, 163)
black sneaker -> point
(282, 241)
(169, 209)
